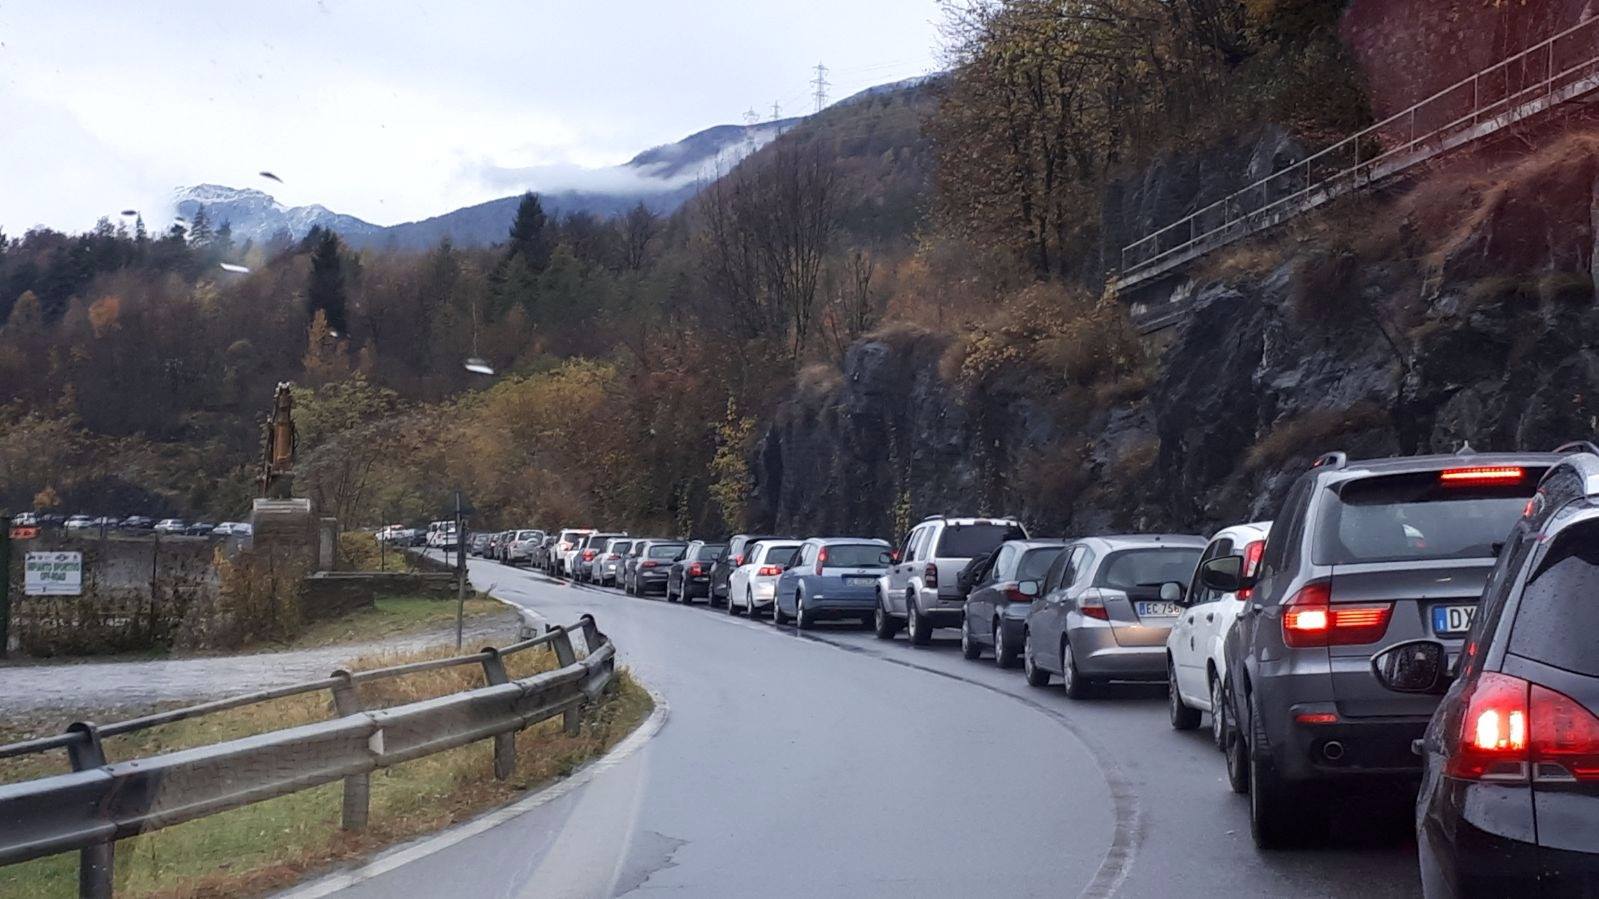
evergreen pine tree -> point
(530, 233)
(326, 292)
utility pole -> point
(461, 510)
(777, 110)
(821, 84)
(5, 582)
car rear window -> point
(666, 550)
(710, 551)
(1559, 611)
(621, 546)
(967, 541)
(1414, 517)
(856, 555)
(527, 535)
(1035, 564)
(1132, 569)
(779, 552)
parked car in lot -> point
(25, 520)
(752, 585)
(690, 574)
(1361, 553)
(565, 549)
(1509, 801)
(722, 568)
(1105, 609)
(227, 529)
(476, 542)
(996, 608)
(1196, 647)
(137, 523)
(830, 577)
(651, 562)
(199, 528)
(588, 550)
(170, 526)
(919, 591)
(518, 546)
(607, 563)
(542, 552)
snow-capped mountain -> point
(253, 214)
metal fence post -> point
(95, 863)
(5, 583)
(357, 787)
(565, 655)
(504, 744)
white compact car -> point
(752, 586)
(1196, 659)
(170, 526)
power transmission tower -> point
(821, 84)
(777, 110)
(751, 116)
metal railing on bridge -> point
(1562, 68)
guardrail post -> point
(566, 655)
(357, 787)
(95, 863)
(504, 744)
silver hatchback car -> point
(1105, 610)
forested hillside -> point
(897, 308)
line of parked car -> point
(171, 527)
(1426, 619)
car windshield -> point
(966, 541)
(855, 555)
(1412, 517)
(1131, 569)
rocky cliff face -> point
(1461, 309)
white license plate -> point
(860, 581)
(1159, 610)
(1452, 619)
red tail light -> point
(648, 563)
(769, 570)
(1310, 619)
(1481, 476)
(1513, 731)
(1015, 595)
(694, 570)
(930, 575)
(821, 560)
(738, 560)
(1092, 605)
(588, 555)
(1252, 556)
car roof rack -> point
(1577, 446)
(1334, 459)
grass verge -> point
(390, 616)
(272, 844)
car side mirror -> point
(885, 558)
(1027, 588)
(1415, 666)
(1171, 591)
(1225, 574)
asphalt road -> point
(833, 764)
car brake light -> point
(1310, 619)
(930, 575)
(1316, 718)
(1565, 738)
(1015, 595)
(1514, 730)
(821, 560)
(1252, 556)
(1092, 605)
(648, 563)
(1481, 475)
(769, 570)
(588, 555)
(738, 560)
(695, 570)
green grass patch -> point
(390, 616)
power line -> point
(821, 86)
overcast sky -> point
(394, 110)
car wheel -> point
(883, 624)
(1218, 718)
(802, 619)
(749, 601)
(1236, 748)
(1004, 653)
(1036, 676)
(1182, 717)
(1077, 686)
(732, 608)
(970, 649)
(777, 612)
(916, 624)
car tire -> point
(749, 602)
(883, 624)
(778, 618)
(1076, 685)
(802, 619)
(1036, 676)
(1004, 653)
(1236, 750)
(1218, 717)
(1182, 717)
(917, 626)
(731, 608)
(971, 650)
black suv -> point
(1360, 554)
(1509, 802)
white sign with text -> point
(53, 574)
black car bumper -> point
(1348, 747)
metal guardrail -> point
(99, 802)
(1561, 68)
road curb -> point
(402, 855)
